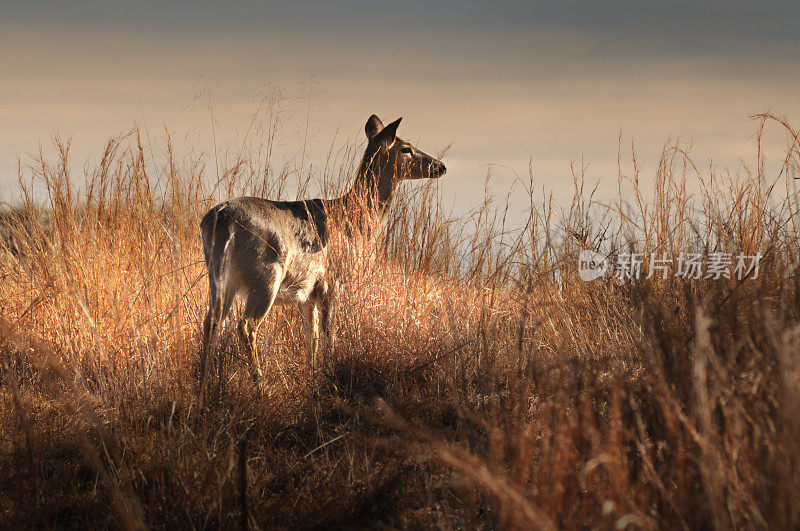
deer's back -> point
(291, 234)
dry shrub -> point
(475, 381)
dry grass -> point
(476, 381)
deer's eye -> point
(406, 150)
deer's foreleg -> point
(311, 326)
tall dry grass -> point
(476, 380)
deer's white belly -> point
(301, 276)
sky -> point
(504, 84)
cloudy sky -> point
(500, 82)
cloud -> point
(502, 81)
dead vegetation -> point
(476, 381)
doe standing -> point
(274, 251)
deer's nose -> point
(441, 168)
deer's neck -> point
(371, 194)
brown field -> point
(476, 380)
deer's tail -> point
(218, 234)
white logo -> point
(591, 265)
(691, 266)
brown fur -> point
(274, 251)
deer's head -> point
(395, 157)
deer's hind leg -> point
(219, 305)
(327, 307)
(259, 302)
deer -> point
(274, 252)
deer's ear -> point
(373, 127)
(388, 133)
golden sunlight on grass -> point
(476, 380)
